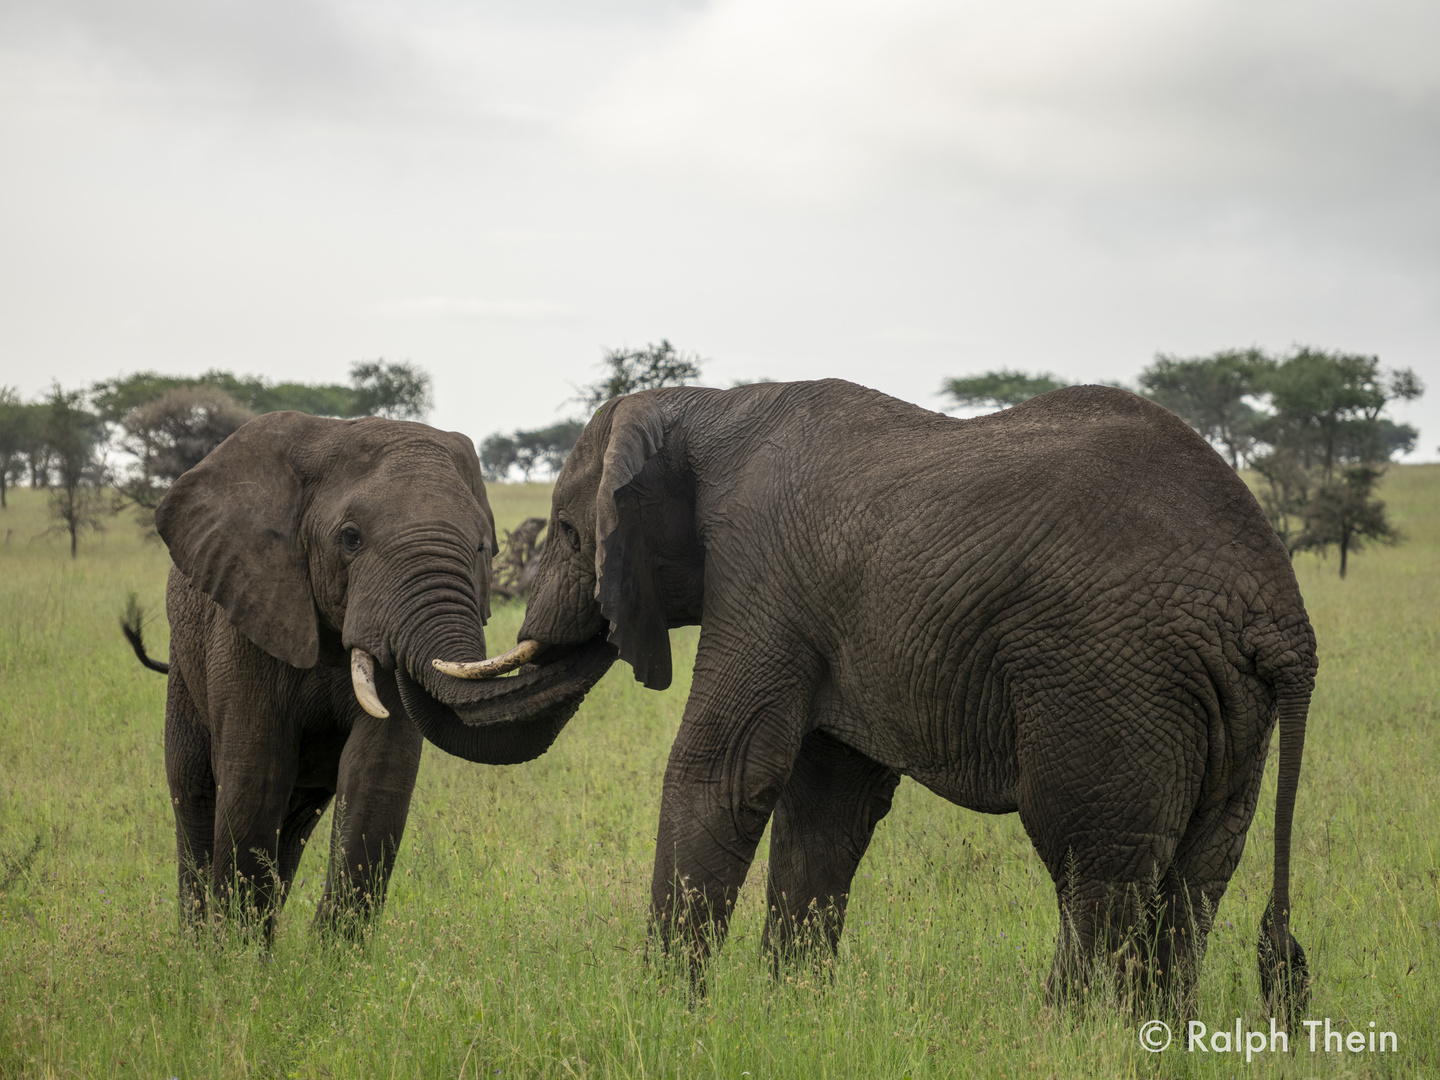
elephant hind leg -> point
(1101, 929)
(1185, 911)
(1150, 933)
(192, 798)
(819, 831)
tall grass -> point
(513, 942)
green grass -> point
(513, 943)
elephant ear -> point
(627, 582)
(232, 524)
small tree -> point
(497, 455)
(399, 391)
(1343, 513)
(998, 389)
(1327, 409)
(545, 448)
(73, 435)
(1210, 394)
(629, 371)
(170, 435)
(34, 449)
(1328, 442)
(1286, 492)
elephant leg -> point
(821, 827)
(731, 759)
(377, 777)
(1106, 815)
(1189, 901)
(256, 781)
(306, 806)
(192, 798)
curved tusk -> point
(362, 678)
(488, 669)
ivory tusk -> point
(488, 669)
(362, 678)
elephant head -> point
(364, 543)
(622, 563)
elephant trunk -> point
(494, 721)
(506, 721)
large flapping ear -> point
(627, 583)
(232, 524)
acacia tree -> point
(399, 391)
(1328, 408)
(73, 436)
(1212, 394)
(1343, 513)
(529, 450)
(628, 371)
(1328, 441)
(170, 435)
(998, 389)
(497, 455)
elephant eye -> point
(570, 533)
(350, 539)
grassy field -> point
(513, 943)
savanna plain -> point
(514, 939)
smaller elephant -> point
(318, 566)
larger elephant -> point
(1072, 609)
(318, 566)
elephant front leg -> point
(822, 825)
(372, 800)
(730, 762)
(192, 798)
(253, 792)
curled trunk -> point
(509, 720)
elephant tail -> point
(132, 625)
(1284, 975)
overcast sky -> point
(891, 192)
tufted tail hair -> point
(1284, 975)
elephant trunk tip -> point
(521, 654)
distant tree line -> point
(166, 423)
(1312, 424)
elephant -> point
(1072, 609)
(318, 565)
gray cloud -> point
(888, 192)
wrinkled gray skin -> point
(297, 540)
(1072, 609)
